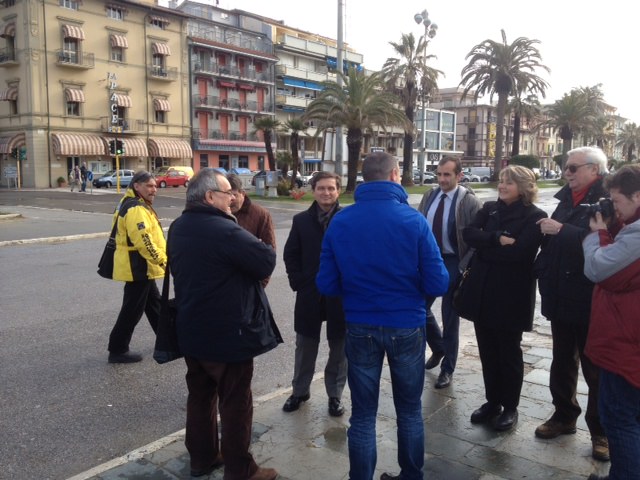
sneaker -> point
(554, 428)
(600, 450)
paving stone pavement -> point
(309, 444)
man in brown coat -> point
(252, 217)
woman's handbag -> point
(464, 295)
(105, 265)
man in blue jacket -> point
(380, 256)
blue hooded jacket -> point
(380, 256)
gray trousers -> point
(335, 372)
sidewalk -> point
(309, 444)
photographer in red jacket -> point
(612, 261)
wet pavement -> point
(309, 444)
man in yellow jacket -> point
(139, 259)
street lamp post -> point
(430, 30)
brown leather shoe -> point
(600, 449)
(264, 474)
(553, 428)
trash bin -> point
(260, 186)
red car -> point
(172, 178)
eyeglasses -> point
(231, 193)
(574, 168)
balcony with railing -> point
(73, 59)
(231, 135)
(168, 74)
(293, 101)
(122, 126)
(290, 42)
(247, 73)
(8, 57)
(208, 102)
(315, 76)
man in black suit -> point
(302, 260)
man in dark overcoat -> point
(302, 260)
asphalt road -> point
(63, 408)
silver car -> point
(110, 179)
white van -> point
(484, 173)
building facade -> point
(78, 74)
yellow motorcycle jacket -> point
(141, 250)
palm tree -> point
(295, 126)
(503, 69)
(569, 115)
(629, 139)
(408, 76)
(267, 125)
(359, 105)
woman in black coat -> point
(506, 238)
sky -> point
(583, 43)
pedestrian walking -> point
(139, 259)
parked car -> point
(188, 171)
(429, 177)
(110, 179)
(172, 178)
(469, 177)
(263, 174)
(359, 178)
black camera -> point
(604, 206)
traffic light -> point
(112, 147)
(119, 147)
(14, 152)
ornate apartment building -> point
(75, 74)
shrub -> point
(283, 188)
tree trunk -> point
(502, 108)
(407, 151)
(515, 146)
(354, 144)
(267, 146)
(293, 142)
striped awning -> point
(226, 84)
(246, 86)
(74, 95)
(119, 41)
(156, 18)
(160, 49)
(10, 93)
(161, 105)
(169, 148)
(78, 144)
(122, 100)
(133, 147)
(73, 31)
(9, 142)
(8, 30)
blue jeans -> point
(619, 405)
(365, 348)
(447, 340)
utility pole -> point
(339, 133)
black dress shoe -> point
(388, 476)
(126, 357)
(434, 360)
(293, 403)
(506, 420)
(486, 412)
(336, 409)
(444, 380)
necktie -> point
(437, 221)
